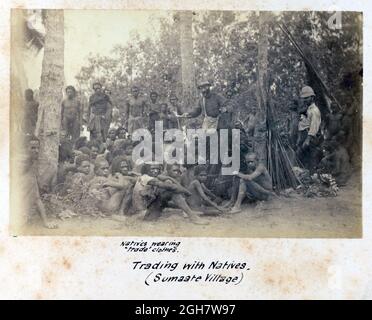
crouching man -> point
(255, 184)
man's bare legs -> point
(241, 196)
(193, 215)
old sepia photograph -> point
(186, 123)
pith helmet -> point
(307, 92)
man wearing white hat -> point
(308, 147)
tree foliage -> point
(225, 52)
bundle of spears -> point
(279, 163)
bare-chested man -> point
(99, 112)
(136, 113)
(255, 183)
(71, 114)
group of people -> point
(97, 174)
(322, 146)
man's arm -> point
(222, 103)
(195, 112)
(253, 175)
(208, 192)
(170, 186)
(199, 189)
(62, 110)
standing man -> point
(154, 105)
(109, 113)
(175, 109)
(136, 113)
(30, 113)
(309, 151)
(98, 112)
(211, 105)
(154, 110)
(71, 114)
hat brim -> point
(204, 84)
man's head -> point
(70, 92)
(82, 164)
(97, 87)
(120, 165)
(29, 95)
(173, 99)
(124, 167)
(307, 96)
(229, 93)
(63, 134)
(101, 168)
(135, 91)
(33, 146)
(153, 169)
(107, 91)
(164, 107)
(121, 133)
(254, 110)
(201, 173)
(174, 170)
(112, 134)
(251, 161)
(204, 87)
(153, 96)
(94, 147)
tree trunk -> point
(263, 43)
(187, 59)
(51, 88)
(19, 81)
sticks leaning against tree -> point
(307, 61)
(279, 163)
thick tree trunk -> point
(187, 59)
(19, 81)
(263, 43)
(51, 88)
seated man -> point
(77, 184)
(255, 184)
(153, 192)
(81, 176)
(111, 137)
(336, 161)
(98, 194)
(201, 196)
(121, 182)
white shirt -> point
(314, 116)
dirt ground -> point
(287, 217)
